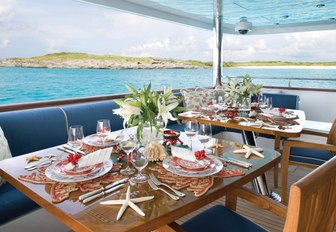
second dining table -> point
(288, 124)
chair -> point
(312, 207)
(308, 154)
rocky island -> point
(88, 61)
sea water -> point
(20, 85)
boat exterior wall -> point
(318, 105)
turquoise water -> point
(35, 84)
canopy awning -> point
(266, 16)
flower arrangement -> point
(144, 107)
(238, 90)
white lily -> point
(126, 110)
(164, 110)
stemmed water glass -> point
(75, 136)
(191, 129)
(269, 103)
(128, 143)
(139, 161)
(103, 129)
(204, 134)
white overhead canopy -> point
(266, 16)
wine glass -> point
(103, 129)
(204, 134)
(128, 144)
(191, 128)
(139, 161)
(269, 103)
(75, 136)
(262, 101)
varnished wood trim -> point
(308, 132)
(171, 227)
(304, 144)
(231, 201)
(40, 104)
(263, 202)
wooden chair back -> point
(312, 202)
(332, 134)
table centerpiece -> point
(149, 110)
(237, 92)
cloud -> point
(4, 43)
(6, 6)
(163, 47)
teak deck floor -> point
(264, 218)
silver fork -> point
(157, 182)
(154, 187)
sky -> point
(37, 27)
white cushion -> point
(4, 151)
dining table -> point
(288, 124)
(159, 211)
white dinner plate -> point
(95, 140)
(215, 168)
(57, 172)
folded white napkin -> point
(183, 153)
(112, 136)
(96, 157)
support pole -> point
(217, 49)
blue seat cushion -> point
(87, 114)
(35, 129)
(219, 218)
(14, 204)
(310, 156)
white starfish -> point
(128, 202)
(249, 150)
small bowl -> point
(171, 134)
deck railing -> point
(61, 102)
(325, 84)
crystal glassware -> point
(191, 129)
(128, 144)
(269, 102)
(75, 136)
(204, 134)
(103, 129)
(139, 161)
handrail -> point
(289, 79)
(61, 102)
(32, 105)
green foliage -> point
(145, 108)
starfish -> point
(33, 158)
(128, 202)
(217, 145)
(249, 150)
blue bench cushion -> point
(310, 156)
(32, 130)
(219, 218)
(87, 114)
(288, 101)
(14, 204)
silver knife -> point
(66, 146)
(66, 150)
(103, 193)
(86, 195)
(236, 162)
